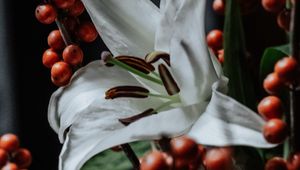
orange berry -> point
(22, 157)
(64, 3)
(272, 83)
(45, 13)
(50, 57)
(9, 142)
(184, 147)
(275, 131)
(218, 159)
(286, 69)
(76, 9)
(219, 6)
(284, 19)
(154, 161)
(273, 5)
(276, 163)
(270, 107)
(73, 55)
(87, 32)
(61, 73)
(215, 39)
(55, 40)
(10, 166)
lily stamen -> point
(168, 81)
(127, 121)
(156, 55)
(126, 91)
(108, 59)
(136, 63)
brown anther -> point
(156, 55)
(126, 91)
(136, 63)
(168, 81)
(127, 121)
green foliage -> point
(270, 57)
(235, 66)
(110, 160)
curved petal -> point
(127, 27)
(227, 122)
(87, 87)
(181, 33)
(105, 132)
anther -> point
(126, 91)
(156, 55)
(127, 121)
(105, 57)
(136, 63)
(168, 81)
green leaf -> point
(110, 160)
(235, 66)
(270, 57)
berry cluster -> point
(293, 163)
(11, 156)
(183, 153)
(65, 54)
(271, 109)
(215, 41)
(279, 7)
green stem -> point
(160, 96)
(134, 71)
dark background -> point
(25, 85)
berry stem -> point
(64, 33)
(294, 115)
(131, 156)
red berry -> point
(45, 13)
(273, 5)
(50, 57)
(221, 56)
(215, 39)
(64, 3)
(184, 147)
(272, 83)
(22, 157)
(286, 69)
(3, 157)
(55, 40)
(73, 55)
(61, 73)
(219, 6)
(276, 163)
(284, 19)
(154, 161)
(275, 131)
(270, 107)
(76, 9)
(10, 166)
(294, 162)
(218, 159)
(116, 148)
(87, 32)
(9, 142)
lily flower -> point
(99, 107)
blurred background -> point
(25, 85)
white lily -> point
(87, 123)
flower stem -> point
(131, 156)
(134, 71)
(294, 115)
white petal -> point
(227, 122)
(181, 32)
(100, 130)
(126, 26)
(87, 87)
